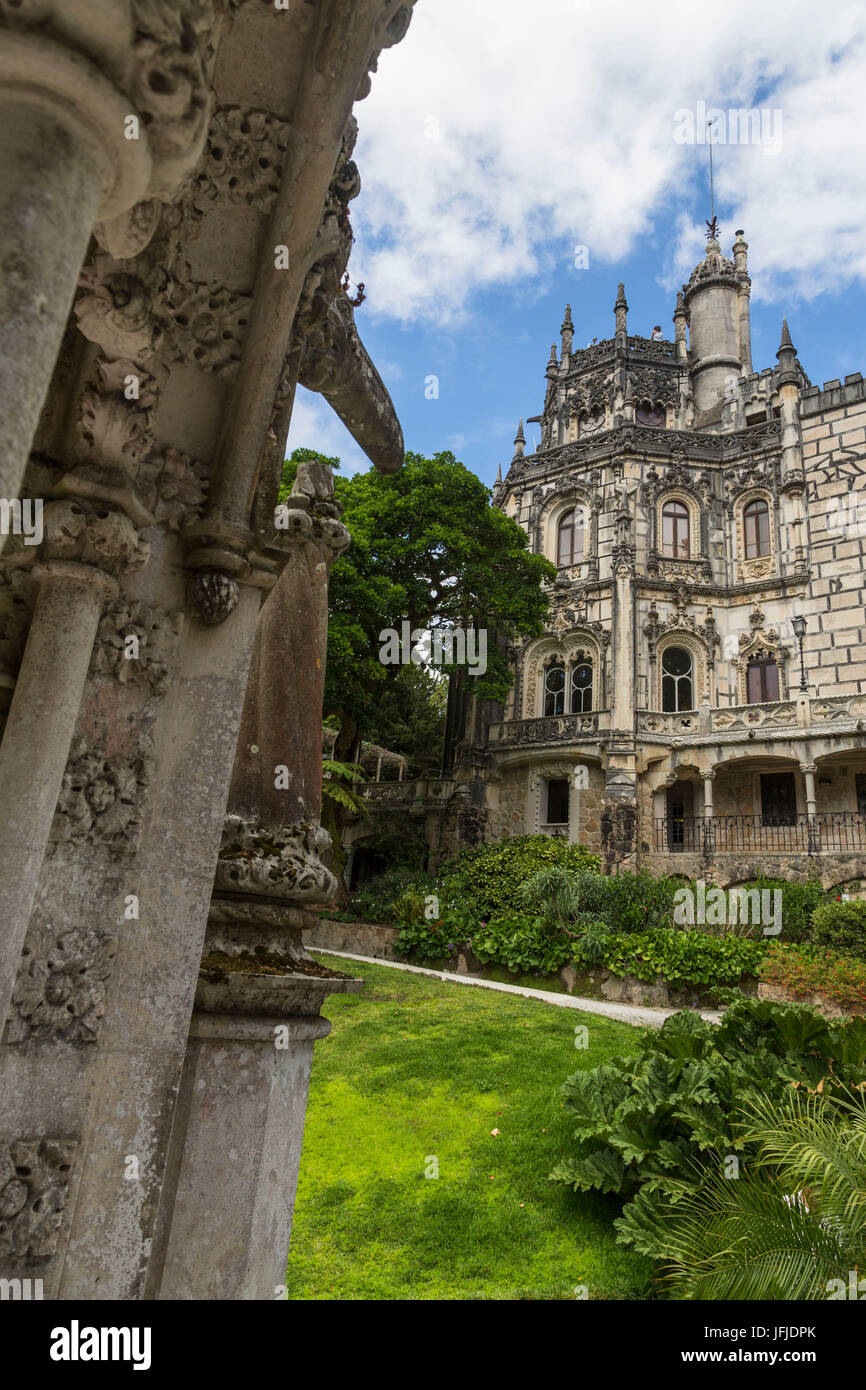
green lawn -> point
(417, 1070)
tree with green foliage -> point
(427, 547)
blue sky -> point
(488, 157)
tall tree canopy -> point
(427, 547)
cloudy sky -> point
(518, 156)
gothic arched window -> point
(581, 687)
(554, 689)
(762, 681)
(569, 538)
(756, 528)
(677, 680)
(676, 534)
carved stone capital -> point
(282, 863)
(105, 539)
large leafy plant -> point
(488, 880)
(681, 958)
(657, 1125)
(790, 1226)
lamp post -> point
(799, 626)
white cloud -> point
(554, 126)
(315, 426)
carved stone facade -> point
(174, 235)
(704, 543)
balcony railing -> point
(553, 728)
(828, 832)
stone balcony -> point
(827, 715)
(549, 730)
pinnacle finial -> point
(499, 473)
(786, 337)
(566, 322)
(520, 435)
(620, 295)
(552, 361)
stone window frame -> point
(693, 506)
(681, 637)
(571, 649)
(762, 566)
(539, 775)
(567, 502)
(762, 643)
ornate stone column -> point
(73, 587)
(101, 107)
(257, 1005)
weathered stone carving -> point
(207, 325)
(60, 988)
(34, 1186)
(93, 536)
(156, 632)
(212, 595)
(282, 863)
(243, 158)
(173, 486)
(101, 799)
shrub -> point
(630, 902)
(799, 900)
(811, 969)
(514, 940)
(841, 926)
(662, 1121)
(682, 958)
(554, 892)
(487, 880)
(426, 940)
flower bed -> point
(815, 974)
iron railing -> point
(828, 832)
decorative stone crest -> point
(282, 863)
(208, 325)
(60, 988)
(34, 1186)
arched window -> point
(554, 689)
(676, 679)
(676, 542)
(581, 687)
(569, 538)
(762, 681)
(756, 528)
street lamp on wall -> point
(799, 626)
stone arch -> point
(688, 641)
(566, 648)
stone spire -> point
(498, 474)
(552, 363)
(519, 442)
(787, 356)
(620, 310)
(567, 334)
